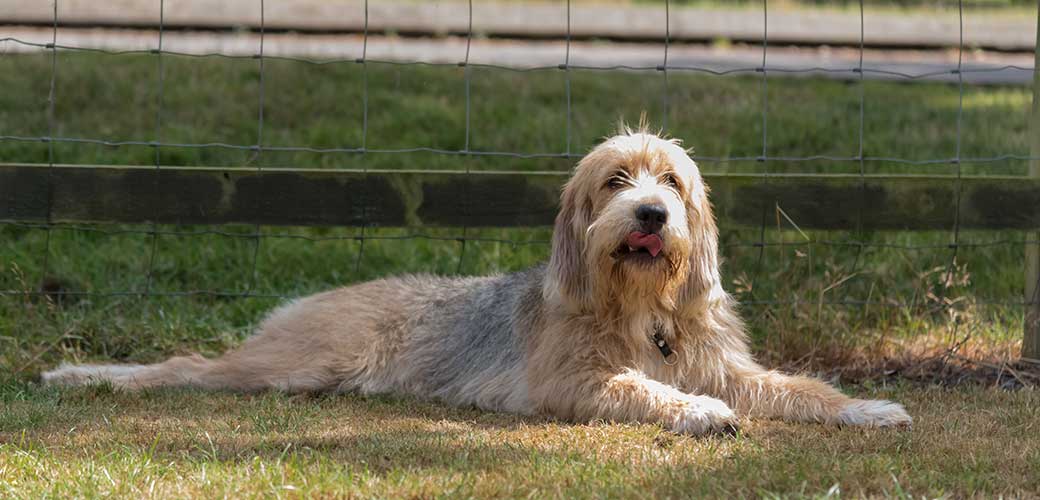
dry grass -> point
(161, 444)
(946, 353)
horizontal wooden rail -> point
(303, 197)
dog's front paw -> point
(874, 413)
(701, 415)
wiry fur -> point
(570, 338)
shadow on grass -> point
(377, 433)
(406, 441)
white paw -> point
(702, 415)
(874, 413)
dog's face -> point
(638, 201)
(635, 226)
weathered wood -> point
(290, 197)
(1031, 339)
(301, 197)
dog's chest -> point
(687, 360)
(653, 347)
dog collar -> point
(670, 356)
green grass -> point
(216, 100)
(61, 443)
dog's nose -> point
(652, 217)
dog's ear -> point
(704, 244)
(568, 278)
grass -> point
(923, 298)
(162, 444)
(214, 100)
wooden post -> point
(1031, 341)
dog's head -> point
(635, 228)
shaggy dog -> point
(627, 322)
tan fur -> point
(571, 339)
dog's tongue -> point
(651, 242)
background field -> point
(927, 307)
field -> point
(928, 307)
(165, 444)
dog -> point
(626, 322)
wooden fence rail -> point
(302, 197)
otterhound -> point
(627, 322)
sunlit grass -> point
(92, 442)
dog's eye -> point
(671, 180)
(616, 182)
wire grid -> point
(258, 149)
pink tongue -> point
(651, 242)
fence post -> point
(1031, 340)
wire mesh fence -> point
(172, 261)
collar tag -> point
(670, 356)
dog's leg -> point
(270, 360)
(754, 390)
(194, 371)
(630, 396)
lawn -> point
(174, 444)
(911, 296)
